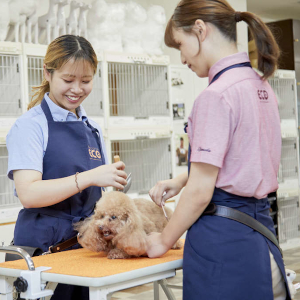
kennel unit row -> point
(284, 86)
(288, 221)
(130, 100)
(128, 89)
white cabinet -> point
(130, 101)
(284, 85)
(138, 117)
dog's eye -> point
(113, 217)
(102, 217)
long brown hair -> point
(224, 17)
(59, 52)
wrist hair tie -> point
(237, 16)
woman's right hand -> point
(163, 190)
(109, 175)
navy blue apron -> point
(72, 147)
(226, 260)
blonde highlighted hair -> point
(224, 17)
(59, 52)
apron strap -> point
(241, 65)
(46, 110)
(95, 132)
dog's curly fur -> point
(119, 226)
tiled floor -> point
(145, 292)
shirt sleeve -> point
(212, 126)
(25, 146)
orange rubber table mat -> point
(82, 262)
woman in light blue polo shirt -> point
(57, 157)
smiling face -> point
(190, 52)
(70, 84)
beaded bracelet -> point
(77, 182)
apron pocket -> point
(201, 277)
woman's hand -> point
(166, 189)
(155, 245)
(109, 175)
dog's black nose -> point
(101, 228)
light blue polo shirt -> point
(28, 138)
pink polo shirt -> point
(235, 125)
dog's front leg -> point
(117, 254)
(133, 243)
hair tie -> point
(237, 16)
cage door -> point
(284, 90)
(289, 160)
(289, 220)
(7, 197)
(148, 160)
(93, 104)
(138, 90)
(35, 74)
(10, 86)
(157, 162)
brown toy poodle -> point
(119, 226)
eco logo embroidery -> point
(263, 95)
(94, 153)
(201, 149)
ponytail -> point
(267, 48)
(38, 96)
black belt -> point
(62, 246)
(236, 215)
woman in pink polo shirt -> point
(235, 148)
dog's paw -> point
(135, 251)
(117, 254)
(178, 245)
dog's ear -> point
(131, 238)
(82, 226)
(132, 220)
(88, 236)
(124, 217)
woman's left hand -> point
(155, 245)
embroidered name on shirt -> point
(263, 95)
(94, 153)
(202, 149)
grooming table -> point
(103, 276)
